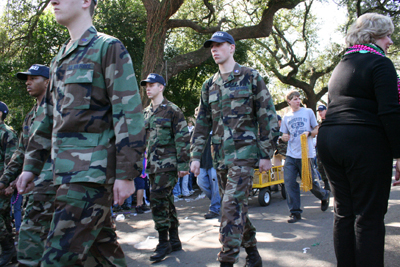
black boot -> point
(226, 264)
(163, 248)
(253, 258)
(8, 251)
(176, 244)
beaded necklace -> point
(373, 49)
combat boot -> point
(253, 258)
(8, 251)
(174, 240)
(163, 248)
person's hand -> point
(122, 190)
(9, 191)
(306, 133)
(397, 174)
(182, 173)
(264, 165)
(285, 137)
(195, 167)
(25, 182)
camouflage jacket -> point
(236, 111)
(14, 167)
(8, 144)
(167, 138)
(91, 117)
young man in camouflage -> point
(235, 104)
(38, 213)
(91, 119)
(167, 159)
(8, 144)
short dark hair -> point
(92, 7)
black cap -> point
(321, 108)
(153, 78)
(219, 37)
(34, 70)
(95, 2)
(4, 109)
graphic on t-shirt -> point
(297, 126)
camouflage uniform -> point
(8, 144)
(167, 153)
(38, 213)
(235, 110)
(93, 124)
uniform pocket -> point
(241, 101)
(75, 152)
(78, 86)
(164, 131)
(213, 101)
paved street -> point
(280, 244)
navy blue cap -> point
(153, 78)
(321, 108)
(4, 109)
(95, 2)
(279, 117)
(219, 37)
(34, 70)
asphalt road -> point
(308, 242)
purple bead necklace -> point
(373, 49)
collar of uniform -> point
(237, 70)
(87, 36)
(162, 105)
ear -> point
(46, 82)
(86, 3)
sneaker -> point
(180, 196)
(211, 215)
(145, 208)
(117, 208)
(325, 203)
(126, 207)
(294, 217)
(191, 192)
(139, 210)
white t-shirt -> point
(296, 123)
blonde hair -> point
(291, 94)
(368, 28)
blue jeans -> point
(177, 189)
(16, 208)
(292, 169)
(208, 183)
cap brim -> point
(23, 75)
(208, 43)
(143, 83)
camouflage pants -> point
(5, 218)
(81, 232)
(162, 200)
(236, 230)
(34, 229)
